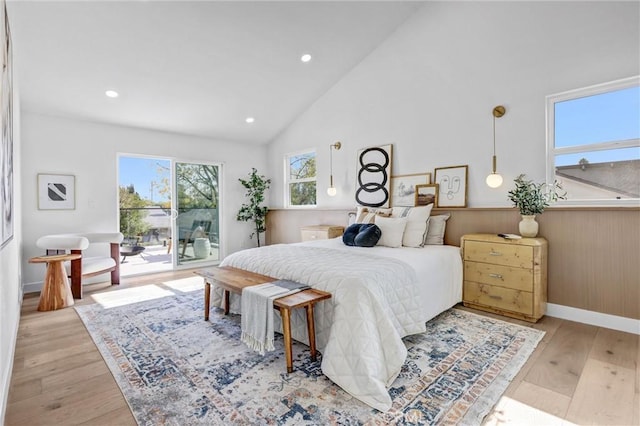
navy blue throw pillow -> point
(350, 234)
(368, 236)
(362, 235)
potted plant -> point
(256, 185)
(531, 199)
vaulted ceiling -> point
(198, 68)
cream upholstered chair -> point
(86, 266)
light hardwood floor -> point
(578, 374)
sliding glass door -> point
(169, 214)
(197, 213)
(144, 196)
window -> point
(593, 137)
(300, 179)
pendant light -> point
(331, 191)
(494, 180)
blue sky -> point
(141, 171)
(599, 118)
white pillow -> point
(415, 232)
(437, 226)
(369, 214)
(392, 231)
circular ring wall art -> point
(374, 171)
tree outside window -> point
(132, 213)
(301, 179)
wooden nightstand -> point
(507, 277)
(320, 232)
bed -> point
(380, 295)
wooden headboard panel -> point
(283, 226)
(593, 252)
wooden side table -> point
(56, 291)
(320, 232)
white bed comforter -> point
(376, 301)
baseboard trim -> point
(32, 287)
(37, 286)
(6, 380)
(628, 325)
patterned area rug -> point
(175, 368)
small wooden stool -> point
(56, 291)
(305, 298)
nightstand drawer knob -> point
(495, 275)
(495, 253)
(495, 297)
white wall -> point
(10, 289)
(89, 151)
(431, 87)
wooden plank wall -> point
(594, 253)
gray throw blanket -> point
(257, 312)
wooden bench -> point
(302, 299)
(233, 280)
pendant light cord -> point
(331, 165)
(494, 144)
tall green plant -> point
(256, 185)
(532, 198)
(132, 214)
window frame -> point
(288, 181)
(552, 151)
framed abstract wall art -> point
(452, 186)
(403, 188)
(373, 174)
(56, 192)
(6, 137)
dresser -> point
(320, 232)
(507, 277)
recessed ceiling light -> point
(305, 58)
(249, 120)
(111, 93)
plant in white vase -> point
(531, 199)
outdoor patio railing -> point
(152, 225)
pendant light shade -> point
(494, 180)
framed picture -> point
(427, 194)
(452, 186)
(6, 131)
(373, 176)
(56, 192)
(403, 188)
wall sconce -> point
(331, 191)
(494, 180)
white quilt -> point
(376, 300)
